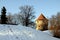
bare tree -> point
(53, 20)
(10, 18)
(26, 15)
(58, 19)
(55, 24)
(16, 19)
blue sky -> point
(47, 7)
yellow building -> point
(41, 23)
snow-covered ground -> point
(49, 32)
(18, 32)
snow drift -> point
(18, 32)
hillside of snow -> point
(18, 32)
(48, 32)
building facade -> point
(41, 23)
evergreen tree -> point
(3, 16)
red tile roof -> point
(41, 17)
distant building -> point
(41, 23)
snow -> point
(49, 32)
(19, 32)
